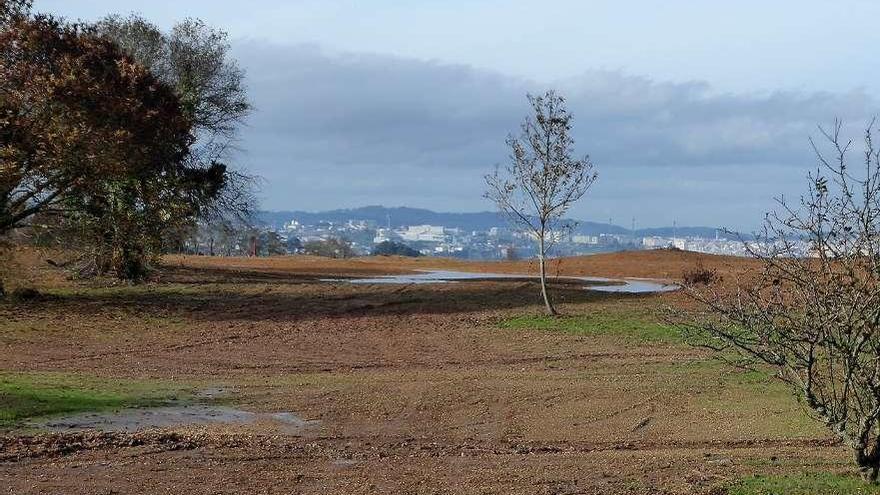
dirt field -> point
(447, 388)
(666, 264)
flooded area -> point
(599, 284)
(131, 420)
(628, 285)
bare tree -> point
(543, 178)
(813, 312)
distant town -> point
(499, 242)
(476, 236)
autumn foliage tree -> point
(76, 114)
(333, 247)
(90, 135)
(10, 10)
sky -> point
(693, 112)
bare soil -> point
(412, 389)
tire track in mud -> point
(153, 352)
(330, 366)
(56, 445)
(631, 407)
(142, 352)
(436, 365)
(358, 366)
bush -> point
(391, 248)
(330, 248)
(700, 275)
(25, 294)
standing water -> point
(599, 284)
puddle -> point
(622, 286)
(213, 392)
(131, 420)
(628, 285)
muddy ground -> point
(407, 389)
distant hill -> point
(399, 216)
(484, 220)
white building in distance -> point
(585, 239)
(423, 233)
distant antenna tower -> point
(633, 230)
(674, 231)
(388, 220)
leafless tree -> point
(543, 178)
(813, 311)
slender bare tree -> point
(813, 312)
(543, 179)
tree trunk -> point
(543, 269)
(869, 465)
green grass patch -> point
(803, 484)
(721, 371)
(749, 403)
(31, 395)
(630, 326)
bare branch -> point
(815, 316)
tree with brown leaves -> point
(92, 136)
(76, 113)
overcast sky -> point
(698, 112)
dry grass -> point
(657, 264)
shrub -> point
(25, 294)
(700, 275)
(330, 248)
(391, 248)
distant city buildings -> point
(423, 233)
(497, 242)
(585, 239)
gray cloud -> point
(341, 129)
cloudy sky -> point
(694, 112)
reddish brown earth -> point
(661, 264)
(417, 389)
